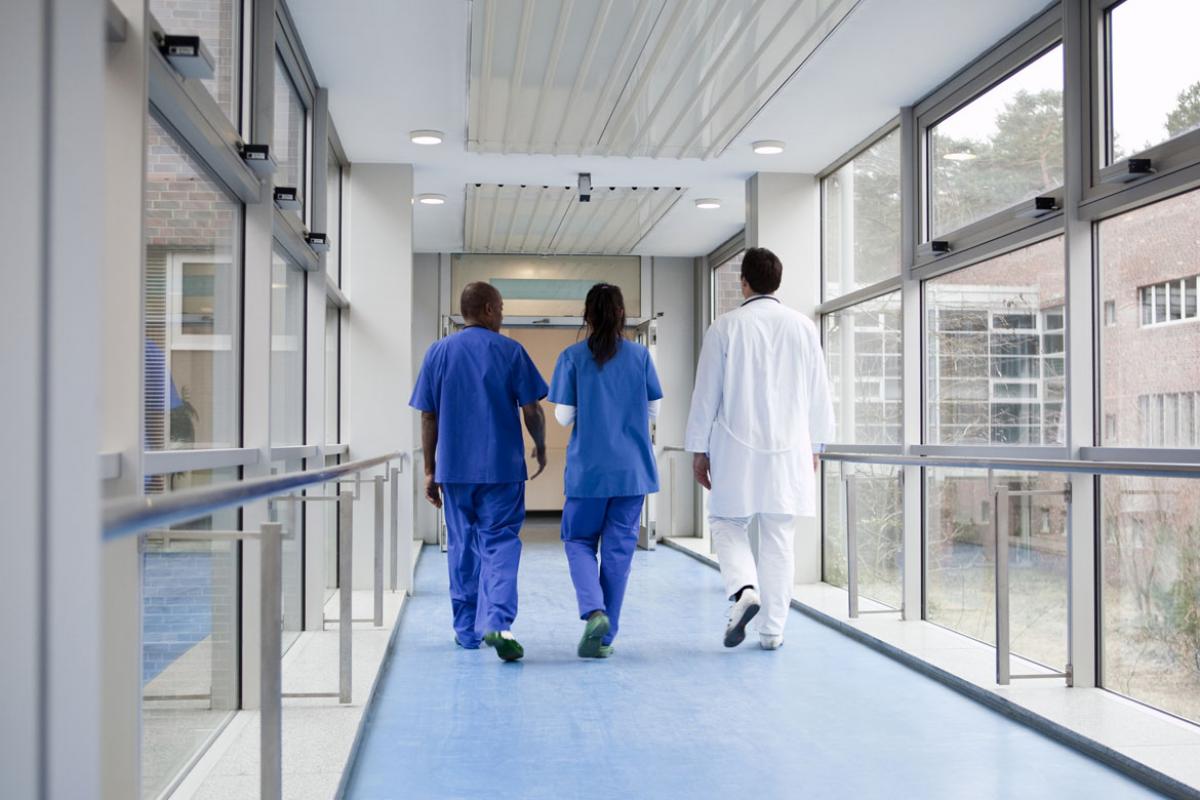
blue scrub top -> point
(476, 381)
(609, 454)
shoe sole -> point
(507, 649)
(593, 638)
(737, 634)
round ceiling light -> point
(426, 137)
(768, 147)
(431, 199)
(708, 202)
(960, 156)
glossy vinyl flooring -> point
(674, 714)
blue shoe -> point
(593, 636)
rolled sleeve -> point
(527, 383)
(425, 393)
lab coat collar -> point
(755, 297)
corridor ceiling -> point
(666, 93)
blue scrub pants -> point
(483, 523)
(611, 525)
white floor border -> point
(1087, 720)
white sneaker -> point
(739, 615)
(770, 641)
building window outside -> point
(1169, 420)
(193, 304)
(1169, 301)
(287, 352)
(218, 24)
(996, 346)
(1002, 148)
(1110, 312)
(727, 285)
(860, 220)
(290, 137)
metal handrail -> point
(130, 515)
(1147, 469)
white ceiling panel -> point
(552, 219)
(657, 78)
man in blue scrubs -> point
(469, 390)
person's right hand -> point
(433, 491)
(700, 470)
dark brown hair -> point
(604, 313)
(762, 269)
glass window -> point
(960, 561)
(332, 374)
(192, 302)
(727, 285)
(218, 24)
(1145, 356)
(1150, 628)
(1000, 149)
(291, 515)
(863, 354)
(996, 347)
(189, 637)
(861, 219)
(880, 524)
(290, 129)
(287, 352)
(333, 190)
(537, 286)
(1155, 84)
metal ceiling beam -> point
(514, 85)
(560, 33)
(585, 67)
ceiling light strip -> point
(585, 143)
(485, 68)
(819, 31)
(585, 68)
(713, 68)
(627, 105)
(667, 205)
(739, 81)
(514, 86)
(560, 33)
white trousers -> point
(774, 574)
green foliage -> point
(1186, 114)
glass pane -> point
(193, 266)
(332, 373)
(863, 353)
(992, 328)
(333, 188)
(880, 517)
(189, 637)
(1148, 248)
(291, 516)
(287, 352)
(1151, 579)
(535, 286)
(218, 24)
(960, 566)
(1155, 73)
(727, 285)
(290, 127)
(1003, 147)
(861, 219)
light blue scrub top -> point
(609, 454)
(476, 381)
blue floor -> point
(675, 715)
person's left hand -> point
(540, 455)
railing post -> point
(377, 587)
(270, 671)
(345, 593)
(851, 541)
(395, 525)
(1000, 530)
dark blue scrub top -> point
(476, 381)
(609, 454)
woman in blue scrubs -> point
(607, 386)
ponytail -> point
(604, 314)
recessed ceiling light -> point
(768, 147)
(426, 137)
(960, 156)
(708, 202)
(431, 199)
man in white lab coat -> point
(760, 411)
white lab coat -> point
(760, 404)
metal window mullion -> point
(912, 366)
(290, 238)
(858, 296)
(1017, 239)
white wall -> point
(674, 306)
(783, 214)
(378, 372)
(426, 329)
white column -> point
(783, 214)
(121, 399)
(377, 335)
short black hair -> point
(476, 297)
(762, 269)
